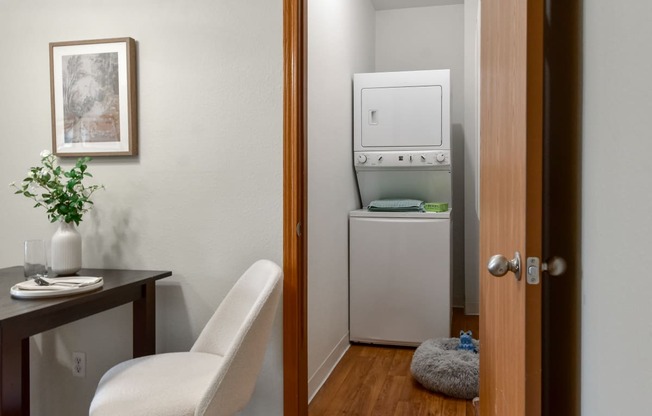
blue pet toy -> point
(466, 342)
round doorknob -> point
(499, 265)
(555, 266)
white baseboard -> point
(326, 368)
(472, 308)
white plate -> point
(53, 293)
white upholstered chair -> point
(217, 376)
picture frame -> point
(94, 97)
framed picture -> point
(93, 93)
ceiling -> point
(404, 4)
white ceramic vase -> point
(66, 249)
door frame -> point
(295, 347)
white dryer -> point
(400, 267)
(401, 135)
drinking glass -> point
(35, 259)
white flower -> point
(45, 153)
(30, 174)
(44, 171)
(13, 183)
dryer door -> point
(401, 117)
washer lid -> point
(365, 213)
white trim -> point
(326, 368)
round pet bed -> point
(439, 366)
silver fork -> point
(42, 282)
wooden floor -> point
(375, 380)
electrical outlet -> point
(79, 364)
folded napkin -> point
(59, 283)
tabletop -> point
(114, 279)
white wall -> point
(203, 199)
(471, 157)
(616, 207)
(340, 42)
(433, 38)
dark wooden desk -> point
(22, 318)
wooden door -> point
(510, 203)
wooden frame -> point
(93, 97)
(295, 348)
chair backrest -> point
(239, 330)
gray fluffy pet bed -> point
(440, 367)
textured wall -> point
(341, 43)
(616, 202)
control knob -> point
(441, 157)
(362, 158)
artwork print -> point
(94, 99)
(91, 98)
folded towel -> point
(396, 205)
(60, 283)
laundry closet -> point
(400, 240)
(424, 57)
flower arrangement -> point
(62, 193)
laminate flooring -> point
(376, 380)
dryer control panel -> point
(431, 159)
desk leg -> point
(145, 321)
(14, 383)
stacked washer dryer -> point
(400, 262)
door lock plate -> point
(532, 268)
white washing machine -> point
(400, 267)
(400, 276)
